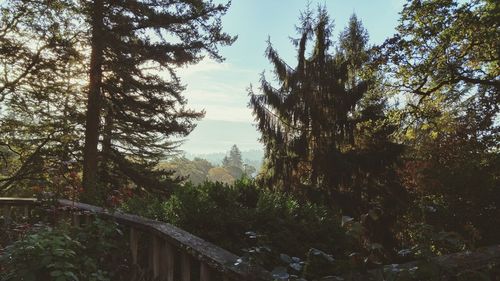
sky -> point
(221, 88)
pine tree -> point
(233, 163)
(305, 122)
(317, 124)
(234, 158)
(135, 102)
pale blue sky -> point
(220, 88)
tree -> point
(134, 104)
(445, 61)
(233, 163)
(135, 46)
(234, 158)
(295, 119)
(452, 170)
(40, 103)
(446, 46)
(195, 171)
(325, 128)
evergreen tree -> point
(325, 127)
(233, 163)
(133, 89)
(235, 157)
(306, 120)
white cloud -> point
(225, 113)
(204, 66)
(219, 89)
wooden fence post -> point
(134, 244)
(76, 219)
(167, 265)
(6, 214)
(155, 252)
(185, 267)
(26, 212)
(204, 272)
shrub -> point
(221, 213)
(65, 253)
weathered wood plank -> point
(204, 272)
(26, 212)
(156, 252)
(76, 219)
(87, 219)
(134, 244)
(6, 214)
(185, 267)
(18, 201)
(168, 266)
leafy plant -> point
(65, 253)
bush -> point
(65, 253)
(222, 214)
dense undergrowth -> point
(223, 214)
(95, 252)
(294, 237)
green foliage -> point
(200, 170)
(445, 46)
(326, 129)
(66, 253)
(195, 170)
(222, 214)
(39, 91)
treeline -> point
(199, 170)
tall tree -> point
(325, 125)
(445, 60)
(234, 158)
(305, 121)
(134, 97)
(294, 118)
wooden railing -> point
(171, 249)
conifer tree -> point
(324, 124)
(134, 98)
(234, 158)
(305, 121)
(325, 128)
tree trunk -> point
(90, 151)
